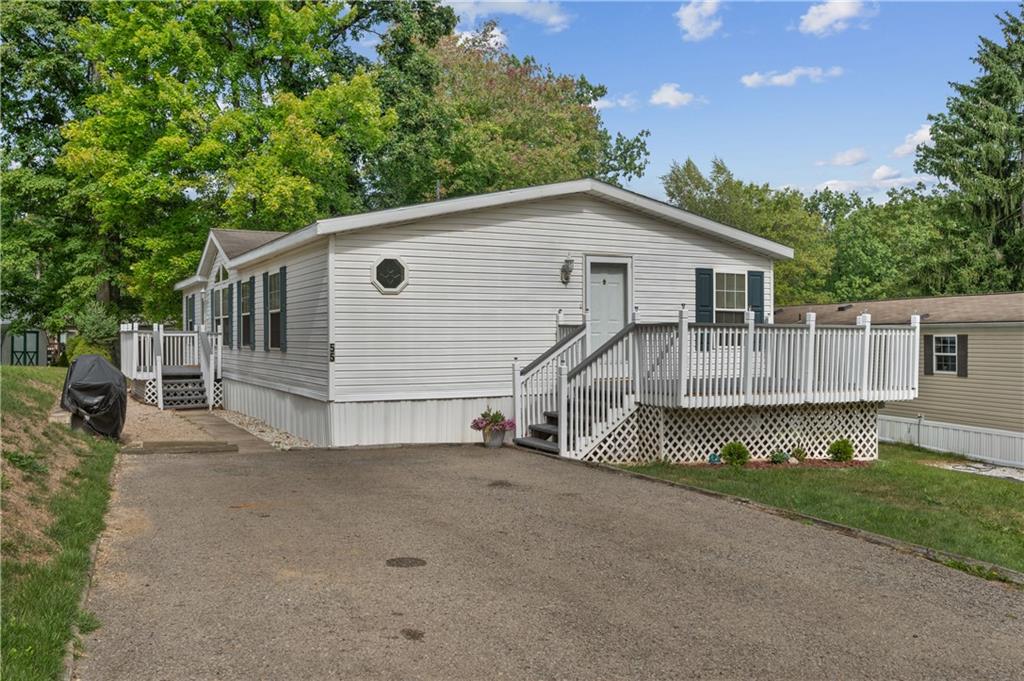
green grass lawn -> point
(61, 480)
(899, 496)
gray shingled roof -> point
(235, 242)
(992, 307)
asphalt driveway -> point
(274, 565)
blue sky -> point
(798, 94)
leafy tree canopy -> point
(777, 214)
(485, 120)
(978, 150)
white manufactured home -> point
(610, 325)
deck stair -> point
(569, 401)
(184, 392)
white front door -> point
(607, 298)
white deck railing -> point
(688, 365)
(146, 353)
(535, 386)
(705, 365)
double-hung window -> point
(945, 354)
(221, 308)
(730, 297)
(274, 310)
(245, 312)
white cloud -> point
(698, 20)
(669, 95)
(626, 101)
(498, 39)
(850, 157)
(833, 16)
(815, 74)
(911, 142)
(882, 179)
(547, 13)
(884, 172)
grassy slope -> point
(67, 477)
(898, 496)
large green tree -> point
(475, 118)
(44, 80)
(237, 114)
(978, 151)
(777, 214)
(901, 247)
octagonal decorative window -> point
(390, 275)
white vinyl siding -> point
(303, 369)
(484, 287)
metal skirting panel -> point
(411, 421)
(1000, 447)
(302, 416)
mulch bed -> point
(807, 463)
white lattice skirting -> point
(218, 394)
(151, 391)
(692, 435)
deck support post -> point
(517, 386)
(558, 325)
(158, 363)
(586, 336)
(748, 357)
(563, 409)
(809, 355)
(915, 322)
(684, 357)
(864, 320)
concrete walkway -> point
(222, 431)
(461, 563)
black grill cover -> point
(96, 391)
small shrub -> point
(735, 454)
(841, 450)
(799, 454)
(779, 456)
(84, 348)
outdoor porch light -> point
(567, 266)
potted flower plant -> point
(493, 424)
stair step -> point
(551, 416)
(538, 444)
(548, 430)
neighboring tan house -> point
(610, 325)
(27, 348)
(971, 393)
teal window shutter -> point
(755, 295)
(252, 313)
(240, 308)
(705, 296)
(266, 311)
(227, 320)
(284, 309)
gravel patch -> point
(989, 470)
(145, 422)
(279, 439)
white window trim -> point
(592, 259)
(271, 310)
(936, 354)
(245, 297)
(379, 286)
(714, 292)
(220, 311)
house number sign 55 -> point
(332, 352)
